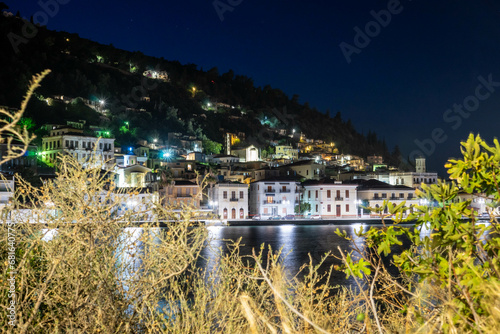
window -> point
(347, 194)
(329, 208)
(233, 194)
(307, 172)
(309, 193)
(328, 194)
(283, 211)
(224, 214)
(269, 189)
(100, 146)
(338, 194)
(347, 208)
(270, 199)
(316, 194)
(224, 195)
(242, 213)
(241, 194)
(233, 213)
(316, 207)
(266, 211)
(83, 145)
(401, 195)
(384, 195)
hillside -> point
(131, 106)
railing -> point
(234, 199)
(285, 191)
(270, 190)
(271, 202)
(339, 198)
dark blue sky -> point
(425, 60)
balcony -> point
(271, 202)
(270, 191)
(339, 198)
(234, 199)
(285, 191)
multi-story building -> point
(276, 197)
(286, 152)
(373, 193)
(307, 169)
(229, 200)
(331, 199)
(86, 149)
(181, 193)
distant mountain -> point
(118, 93)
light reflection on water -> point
(296, 241)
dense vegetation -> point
(83, 68)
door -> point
(339, 213)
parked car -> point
(315, 217)
(290, 217)
(257, 217)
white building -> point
(6, 190)
(247, 154)
(274, 197)
(373, 193)
(229, 200)
(68, 140)
(331, 199)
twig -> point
(283, 299)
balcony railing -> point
(272, 190)
(271, 202)
(234, 199)
(285, 191)
(339, 198)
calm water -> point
(296, 241)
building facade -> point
(87, 150)
(272, 198)
(331, 199)
(229, 200)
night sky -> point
(431, 56)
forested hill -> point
(191, 100)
